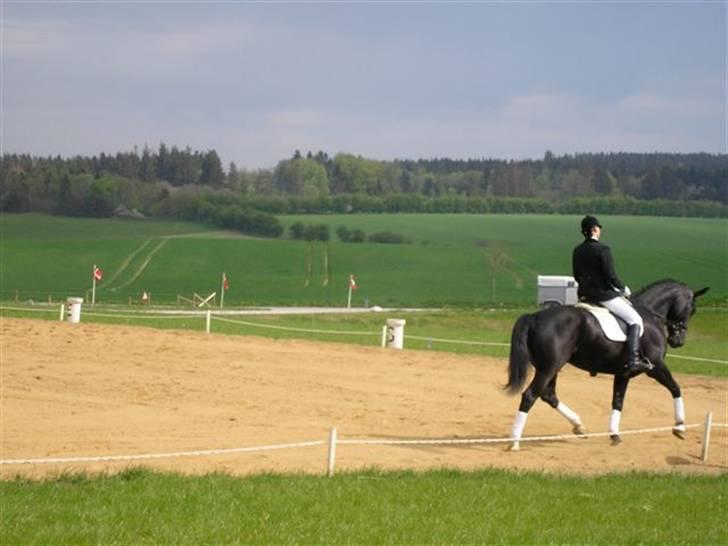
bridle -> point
(675, 327)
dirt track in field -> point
(93, 390)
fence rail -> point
(292, 329)
(333, 442)
(147, 456)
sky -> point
(256, 81)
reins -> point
(673, 326)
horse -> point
(555, 336)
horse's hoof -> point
(515, 446)
(579, 430)
(616, 440)
(679, 431)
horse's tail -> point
(520, 356)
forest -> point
(193, 185)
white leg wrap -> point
(518, 425)
(567, 412)
(679, 409)
(614, 421)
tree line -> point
(193, 185)
(677, 177)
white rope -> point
(106, 315)
(496, 344)
(49, 310)
(440, 340)
(714, 361)
(90, 459)
(307, 330)
(507, 440)
(208, 452)
(156, 317)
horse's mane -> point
(645, 307)
(646, 311)
(652, 285)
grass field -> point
(449, 262)
(437, 507)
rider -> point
(598, 283)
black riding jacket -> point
(593, 269)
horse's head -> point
(679, 314)
(674, 302)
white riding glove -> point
(627, 292)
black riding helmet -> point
(587, 223)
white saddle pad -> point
(607, 321)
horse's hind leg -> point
(549, 396)
(528, 399)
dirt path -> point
(77, 390)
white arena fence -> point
(210, 316)
(334, 442)
(292, 329)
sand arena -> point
(88, 389)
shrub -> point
(343, 233)
(297, 230)
(357, 236)
(322, 232)
(387, 237)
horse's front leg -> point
(662, 375)
(619, 389)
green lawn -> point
(436, 507)
(449, 262)
(42, 227)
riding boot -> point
(635, 362)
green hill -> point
(453, 259)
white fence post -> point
(395, 333)
(706, 436)
(332, 453)
(73, 310)
(63, 311)
(207, 322)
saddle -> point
(614, 328)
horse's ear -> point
(700, 292)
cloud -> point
(117, 50)
(294, 119)
(258, 84)
(674, 107)
(524, 126)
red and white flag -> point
(98, 273)
(352, 282)
(225, 283)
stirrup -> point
(641, 365)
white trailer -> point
(557, 290)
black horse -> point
(552, 337)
